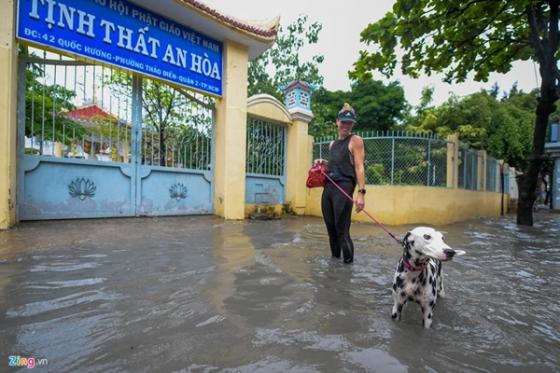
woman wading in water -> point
(345, 167)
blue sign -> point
(122, 34)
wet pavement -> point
(199, 294)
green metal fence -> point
(399, 158)
(468, 168)
(492, 184)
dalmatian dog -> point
(418, 275)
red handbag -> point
(316, 176)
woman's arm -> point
(357, 150)
(358, 153)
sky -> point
(339, 42)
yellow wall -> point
(396, 205)
(297, 165)
(230, 135)
(393, 205)
(8, 125)
(271, 210)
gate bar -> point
(136, 141)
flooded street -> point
(201, 294)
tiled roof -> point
(91, 115)
(262, 31)
(87, 113)
(299, 83)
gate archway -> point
(266, 162)
(268, 121)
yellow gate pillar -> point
(231, 134)
(298, 103)
(482, 158)
(452, 161)
(8, 105)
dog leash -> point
(367, 213)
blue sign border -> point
(122, 34)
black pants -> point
(337, 211)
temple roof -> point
(195, 14)
(261, 30)
(90, 115)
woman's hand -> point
(320, 161)
(360, 202)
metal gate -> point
(265, 164)
(99, 142)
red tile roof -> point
(262, 31)
(88, 112)
(299, 83)
(91, 115)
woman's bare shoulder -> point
(357, 140)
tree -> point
(379, 107)
(425, 100)
(480, 36)
(325, 106)
(281, 64)
(501, 127)
(45, 105)
(174, 116)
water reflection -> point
(202, 294)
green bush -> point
(375, 174)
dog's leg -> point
(398, 304)
(427, 311)
(440, 289)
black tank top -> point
(340, 165)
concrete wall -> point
(8, 125)
(393, 205)
(396, 205)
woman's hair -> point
(347, 107)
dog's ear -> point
(405, 240)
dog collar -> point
(411, 268)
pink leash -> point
(367, 213)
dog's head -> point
(423, 243)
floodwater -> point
(199, 294)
